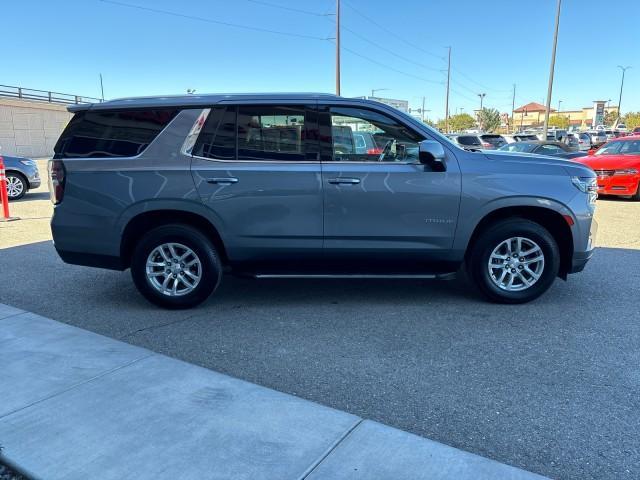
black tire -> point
(21, 179)
(211, 267)
(491, 237)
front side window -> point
(271, 132)
(112, 133)
(628, 147)
(363, 135)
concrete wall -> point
(29, 128)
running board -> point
(440, 276)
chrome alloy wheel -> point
(173, 269)
(15, 186)
(516, 264)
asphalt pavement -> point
(551, 387)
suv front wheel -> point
(175, 266)
(514, 261)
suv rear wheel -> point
(514, 261)
(175, 266)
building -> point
(532, 115)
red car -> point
(617, 164)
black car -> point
(554, 149)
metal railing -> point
(9, 91)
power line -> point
(478, 83)
(291, 9)
(401, 57)
(391, 32)
(383, 65)
(209, 20)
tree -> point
(430, 123)
(632, 120)
(559, 121)
(489, 119)
(610, 117)
(461, 122)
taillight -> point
(57, 177)
(374, 151)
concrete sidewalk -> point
(77, 405)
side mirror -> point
(591, 151)
(431, 153)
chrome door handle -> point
(344, 181)
(223, 180)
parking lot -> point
(552, 386)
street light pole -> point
(481, 95)
(553, 64)
(624, 69)
(513, 107)
(446, 104)
(374, 90)
(338, 47)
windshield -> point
(620, 148)
(518, 147)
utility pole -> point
(553, 64)
(624, 69)
(422, 110)
(446, 105)
(559, 103)
(338, 47)
(513, 107)
(101, 87)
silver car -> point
(22, 176)
(181, 189)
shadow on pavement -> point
(551, 386)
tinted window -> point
(518, 147)
(218, 139)
(386, 137)
(103, 134)
(549, 150)
(271, 133)
(469, 140)
(495, 140)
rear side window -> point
(109, 133)
(468, 140)
(271, 132)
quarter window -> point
(109, 133)
(364, 135)
(217, 138)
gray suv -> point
(182, 189)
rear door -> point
(256, 167)
(384, 211)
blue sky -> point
(63, 45)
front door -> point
(256, 167)
(384, 212)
